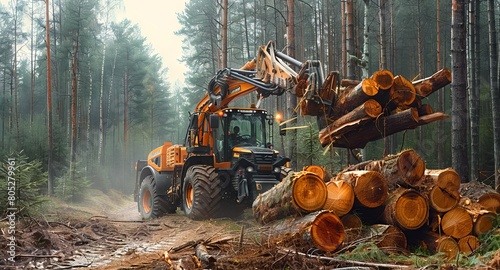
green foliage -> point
(22, 183)
(71, 186)
(365, 252)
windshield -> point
(240, 128)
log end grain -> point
(484, 223)
(384, 78)
(448, 246)
(309, 192)
(319, 170)
(369, 87)
(490, 201)
(340, 197)
(370, 187)
(441, 201)
(391, 240)
(468, 244)
(402, 91)
(372, 108)
(352, 226)
(449, 181)
(327, 231)
(457, 222)
(411, 210)
(411, 167)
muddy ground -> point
(106, 232)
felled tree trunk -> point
(321, 229)
(468, 244)
(441, 244)
(441, 187)
(388, 238)
(352, 97)
(407, 209)
(403, 169)
(402, 94)
(457, 222)
(319, 170)
(483, 194)
(299, 193)
(340, 197)
(370, 188)
(429, 85)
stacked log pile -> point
(393, 202)
(376, 107)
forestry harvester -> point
(227, 159)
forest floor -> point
(105, 231)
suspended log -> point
(468, 244)
(370, 188)
(319, 170)
(403, 169)
(352, 97)
(407, 209)
(384, 79)
(483, 194)
(367, 110)
(340, 197)
(457, 222)
(352, 226)
(300, 192)
(349, 83)
(441, 187)
(402, 92)
(429, 85)
(322, 230)
(424, 109)
(441, 244)
(388, 238)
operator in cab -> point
(235, 137)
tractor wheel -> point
(151, 204)
(202, 193)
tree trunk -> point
(340, 198)
(459, 91)
(494, 89)
(406, 208)
(321, 229)
(298, 193)
(457, 222)
(50, 148)
(291, 99)
(351, 66)
(441, 187)
(74, 97)
(370, 188)
(224, 33)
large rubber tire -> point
(202, 193)
(151, 204)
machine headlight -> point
(277, 169)
(250, 169)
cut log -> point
(319, 170)
(369, 109)
(468, 244)
(429, 85)
(483, 194)
(388, 238)
(402, 92)
(352, 226)
(349, 83)
(205, 258)
(352, 97)
(457, 222)
(403, 169)
(370, 188)
(425, 109)
(340, 197)
(300, 192)
(384, 79)
(407, 209)
(322, 229)
(441, 244)
(441, 187)
(483, 223)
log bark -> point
(299, 193)
(370, 188)
(403, 169)
(429, 85)
(321, 229)
(205, 258)
(468, 244)
(367, 110)
(483, 194)
(441, 187)
(457, 222)
(407, 209)
(340, 197)
(441, 244)
(352, 97)
(388, 238)
(349, 83)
